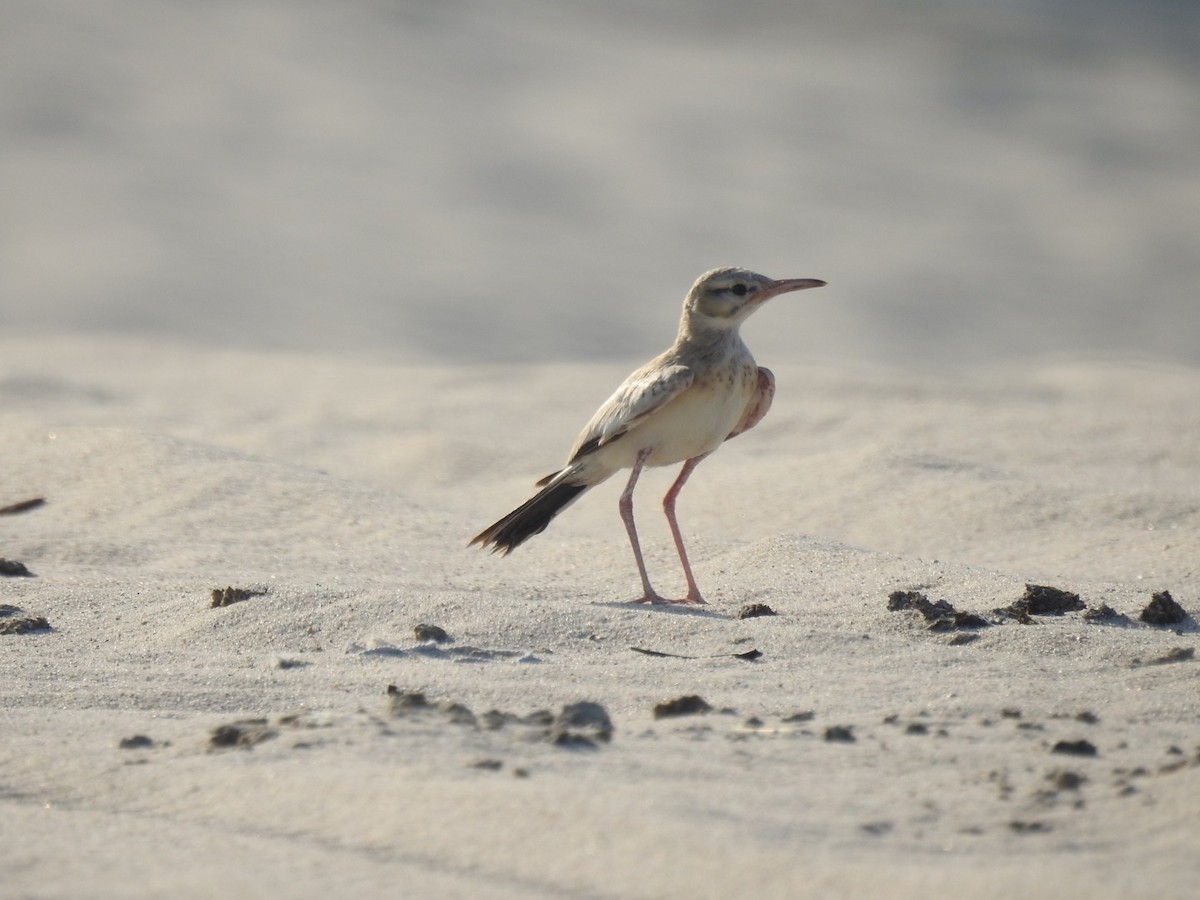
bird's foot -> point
(656, 600)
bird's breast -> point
(695, 422)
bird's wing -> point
(646, 390)
(760, 402)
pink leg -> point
(648, 594)
(693, 594)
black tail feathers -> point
(528, 519)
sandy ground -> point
(156, 745)
(297, 297)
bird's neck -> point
(712, 338)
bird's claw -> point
(653, 599)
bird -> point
(677, 408)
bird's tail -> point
(530, 518)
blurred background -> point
(533, 180)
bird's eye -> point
(739, 289)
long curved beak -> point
(784, 285)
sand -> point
(156, 745)
(296, 298)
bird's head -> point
(723, 298)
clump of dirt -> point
(14, 569)
(430, 633)
(11, 623)
(403, 703)
(1106, 615)
(135, 742)
(689, 705)
(1075, 748)
(1163, 610)
(840, 734)
(494, 719)
(754, 610)
(583, 724)
(231, 595)
(244, 733)
(1066, 780)
(1042, 600)
(941, 616)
